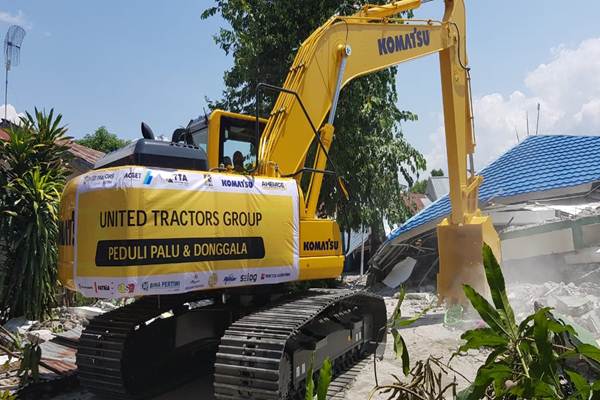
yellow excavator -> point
(210, 231)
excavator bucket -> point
(461, 261)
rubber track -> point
(102, 343)
(252, 349)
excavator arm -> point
(371, 40)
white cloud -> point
(567, 89)
(17, 19)
(11, 113)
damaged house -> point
(544, 200)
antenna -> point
(537, 124)
(527, 118)
(12, 50)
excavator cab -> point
(228, 133)
(206, 143)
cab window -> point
(238, 144)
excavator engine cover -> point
(156, 153)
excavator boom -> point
(345, 48)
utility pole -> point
(362, 250)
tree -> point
(419, 186)
(33, 171)
(369, 150)
(102, 140)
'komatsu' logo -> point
(321, 245)
(413, 40)
(237, 183)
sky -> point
(117, 63)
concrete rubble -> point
(577, 304)
(57, 337)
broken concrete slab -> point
(86, 312)
(40, 335)
(574, 306)
(400, 273)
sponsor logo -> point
(229, 278)
(178, 178)
(194, 281)
(266, 276)
(170, 284)
(208, 180)
(237, 183)
(391, 44)
(85, 287)
(101, 287)
(212, 279)
(133, 175)
(148, 177)
(145, 286)
(248, 277)
(320, 245)
(273, 185)
(154, 285)
(126, 288)
(109, 176)
(198, 286)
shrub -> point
(528, 359)
(33, 166)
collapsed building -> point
(544, 200)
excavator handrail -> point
(312, 125)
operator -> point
(238, 161)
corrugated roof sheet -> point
(537, 164)
(90, 156)
(85, 153)
(356, 239)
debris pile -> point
(578, 304)
(54, 340)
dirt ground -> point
(427, 336)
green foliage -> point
(310, 385)
(325, 375)
(396, 323)
(526, 359)
(102, 140)
(419, 187)
(34, 169)
(29, 367)
(29, 354)
(437, 172)
(6, 395)
(370, 150)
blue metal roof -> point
(537, 164)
